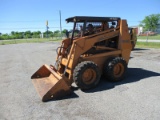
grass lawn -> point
(155, 37)
(148, 45)
(138, 44)
(35, 40)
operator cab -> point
(86, 26)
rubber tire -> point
(133, 45)
(109, 69)
(79, 72)
(105, 64)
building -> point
(139, 29)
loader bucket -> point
(49, 84)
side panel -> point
(133, 37)
(124, 40)
(100, 59)
(84, 44)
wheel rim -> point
(118, 70)
(89, 76)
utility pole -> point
(47, 28)
(147, 36)
(60, 23)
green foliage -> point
(20, 35)
(48, 34)
(56, 33)
(32, 40)
(147, 45)
(64, 31)
(29, 34)
(150, 22)
(16, 35)
(154, 37)
(36, 34)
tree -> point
(16, 35)
(150, 22)
(64, 31)
(36, 34)
(49, 33)
(12, 33)
(4, 37)
(56, 33)
(28, 34)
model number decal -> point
(125, 41)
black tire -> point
(115, 70)
(86, 75)
(105, 64)
(133, 45)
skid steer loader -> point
(84, 56)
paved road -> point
(135, 98)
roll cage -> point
(80, 24)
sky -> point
(24, 15)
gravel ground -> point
(135, 98)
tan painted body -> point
(55, 81)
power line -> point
(52, 20)
(33, 28)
